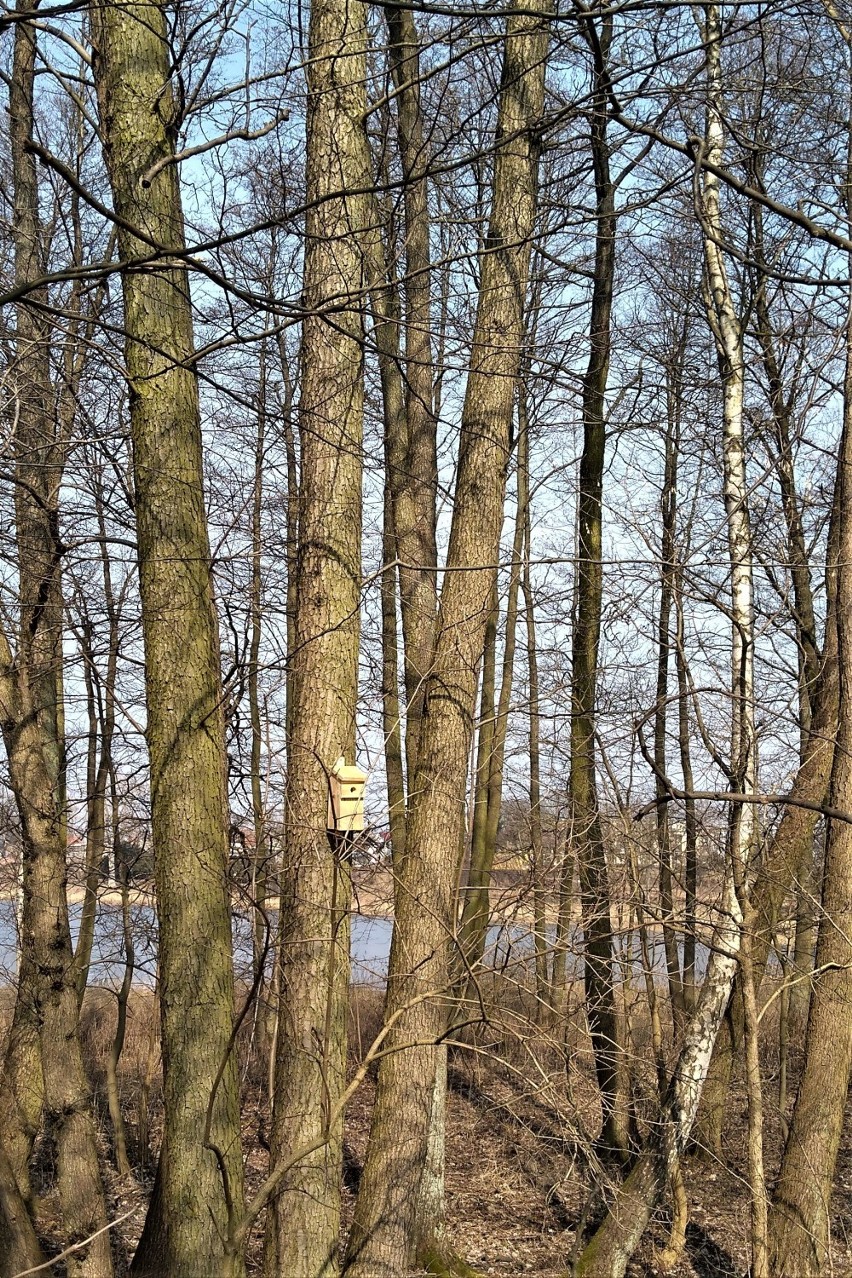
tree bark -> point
(46, 946)
(690, 823)
(138, 124)
(476, 907)
(544, 994)
(415, 482)
(613, 1244)
(799, 1219)
(778, 869)
(586, 832)
(44, 1040)
(800, 1222)
(303, 1222)
(383, 1234)
(668, 571)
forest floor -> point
(523, 1185)
(519, 1174)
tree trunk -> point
(476, 908)
(46, 944)
(537, 867)
(690, 823)
(415, 482)
(119, 1131)
(613, 1244)
(800, 1220)
(778, 869)
(586, 833)
(303, 1223)
(810, 657)
(21, 1249)
(38, 567)
(383, 1235)
(259, 858)
(138, 119)
(391, 713)
(479, 804)
(44, 1039)
(101, 725)
(668, 570)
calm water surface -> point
(508, 945)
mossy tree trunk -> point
(138, 123)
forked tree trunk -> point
(383, 1235)
(303, 1223)
(138, 121)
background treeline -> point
(465, 390)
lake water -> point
(509, 945)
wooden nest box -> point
(346, 784)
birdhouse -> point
(346, 798)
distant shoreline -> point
(372, 897)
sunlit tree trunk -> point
(383, 1235)
(782, 859)
(201, 1160)
(473, 925)
(303, 1223)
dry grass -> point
(523, 1179)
